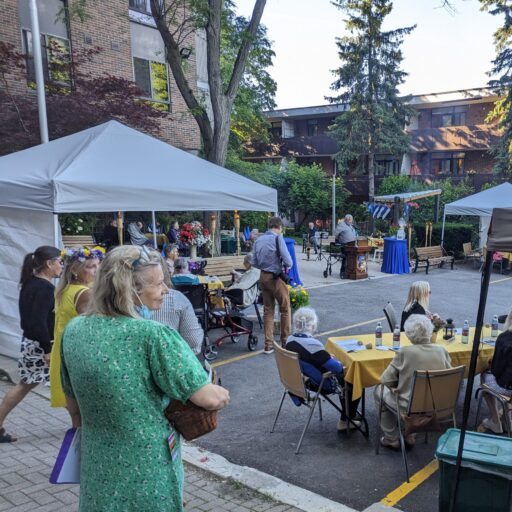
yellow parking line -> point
(417, 479)
(351, 326)
(237, 358)
(501, 280)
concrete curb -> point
(261, 482)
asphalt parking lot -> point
(341, 468)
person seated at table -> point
(136, 235)
(182, 274)
(312, 235)
(177, 312)
(345, 232)
(499, 378)
(421, 355)
(245, 282)
(170, 256)
(315, 360)
(417, 302)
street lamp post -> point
(334, 169)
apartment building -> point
(448, 138)
(130, 47)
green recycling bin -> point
(486, 473)
(227, 246)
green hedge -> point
(455, 235)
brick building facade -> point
(130, 48)
(449, 137)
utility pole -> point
(334, 169)
(38, 66)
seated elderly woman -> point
(499, 379)
(182, 274)
(421, 355)
(315, 360)
(171, 253)
(245, 283)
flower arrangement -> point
(299, 297)
(414, 205)
(83, 253)
(437, 322)
(193, 233)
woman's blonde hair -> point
(121, 275)
(71, 268)
(418, 292)
(508, 322)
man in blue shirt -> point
(271, 256)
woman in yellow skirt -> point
(71, 299)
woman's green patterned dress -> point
(121, 372)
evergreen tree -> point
(369, 77)
(502, 69)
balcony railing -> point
(297, 146)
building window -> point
(151, 78)
(276, 129)
(448, 116)
(142, 6)
(312, 127)
(386, 167)
(448, 164)
(56, 58)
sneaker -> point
(490, 425)
(390, 443)
(268, 351)
(344, 424)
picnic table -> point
(364, 368)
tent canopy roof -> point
(482, 203)
(500, 232)
(409, 196)
(112, 167)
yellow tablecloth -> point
(376, 242)
(160, 238)
(217, 284)
(364, 368)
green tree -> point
(502, 69)
(368, 79)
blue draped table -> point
(294, 271)
(396, 260)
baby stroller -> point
(233, 319)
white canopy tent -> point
(481, 204)
(103, 169)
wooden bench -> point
(222, 266)
(70, 241)
(434, 255)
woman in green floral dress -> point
(119, 370)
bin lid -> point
(482, 450)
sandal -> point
(5, 437)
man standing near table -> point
(271, 255)
(345, 231)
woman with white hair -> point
(499, 379)
(417, 301)
(182, 274)
(118, 370)
(246, 282)
(315, 360)
(421, 355)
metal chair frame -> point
(444, 414)
(310, 397)
(504, 401)
(390, 313)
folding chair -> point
(504, 400)
(296, 383)
(197, 294)
(445, 386)
(390, 313)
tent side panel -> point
(21, 231)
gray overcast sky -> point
(446, 51)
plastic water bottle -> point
(396, 338)
(378, 335)
(465, 332)
(494, 327)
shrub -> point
(454, 235)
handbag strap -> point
(278, 251)
(431, 394)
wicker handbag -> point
(190, 420)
